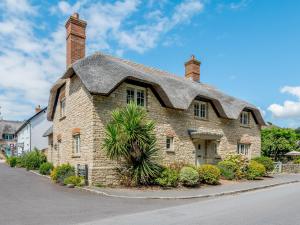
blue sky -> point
(248, 48)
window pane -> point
(130, 95)
(140, 98)
(196, 110)
(203, 110)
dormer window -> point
(200, 109)
(136, 95)
(245, 118)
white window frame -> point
(202, 109)
(76, 144)
(169, 144)
(136, 90)
(245, 118)
(63, 107)
(243, 149)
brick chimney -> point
(192, 69)
(38, 109)
(75, 28)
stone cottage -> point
(195, 122)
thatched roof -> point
(101, 74)
(8, 127)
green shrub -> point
(77, 181)
(34, 159)
(20, 161)
(227, 169)
(53, 175)
(188, 176)
(209, 174)
(266, 161)
(240, 162)
(168, 178)
(12, 161)
(46, 168)
(60, 173)
(296, 161)
(255, 170)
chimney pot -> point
(192, 69)
(38, 109)
(75, 29)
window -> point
(244, 118)
(62, 107)
(200, 109)
(136, 95)
(76, 139)
(169, 144)
(243, 149)
(8, 136)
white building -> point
(30, 134)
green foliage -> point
(209, 174)
(255, 170)
(168, 178)
(20, 161)
(130, 138)
(60, 173)
(33, 160)
(266, 161)
(189, 176)
(227, 169)
(75, 180)
(276, 142)
(12, 161)
(46, 168)
(296, 160)
(240, 162)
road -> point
(28, 199)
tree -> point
(130, 139)
(276, 142)
(298, 131)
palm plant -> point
(130, 139)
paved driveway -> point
(28, 199)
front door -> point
(200, 152)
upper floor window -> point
(76, 145)
(245, 118)
(8, 136)
(200, 109)
(243, 149)
(63, 107)
(136, 95)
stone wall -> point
(290, 168)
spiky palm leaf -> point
(130, 136)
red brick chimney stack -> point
(192, 69)
(75, 28)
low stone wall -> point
(291, 168)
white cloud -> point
(291, 90)
(31, 63)
(289, 109)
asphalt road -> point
(28, 199)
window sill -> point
(76, 156)
(245, 126)
(199, 118)
(62, 118)
(170, 151)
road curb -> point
(187, 197)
